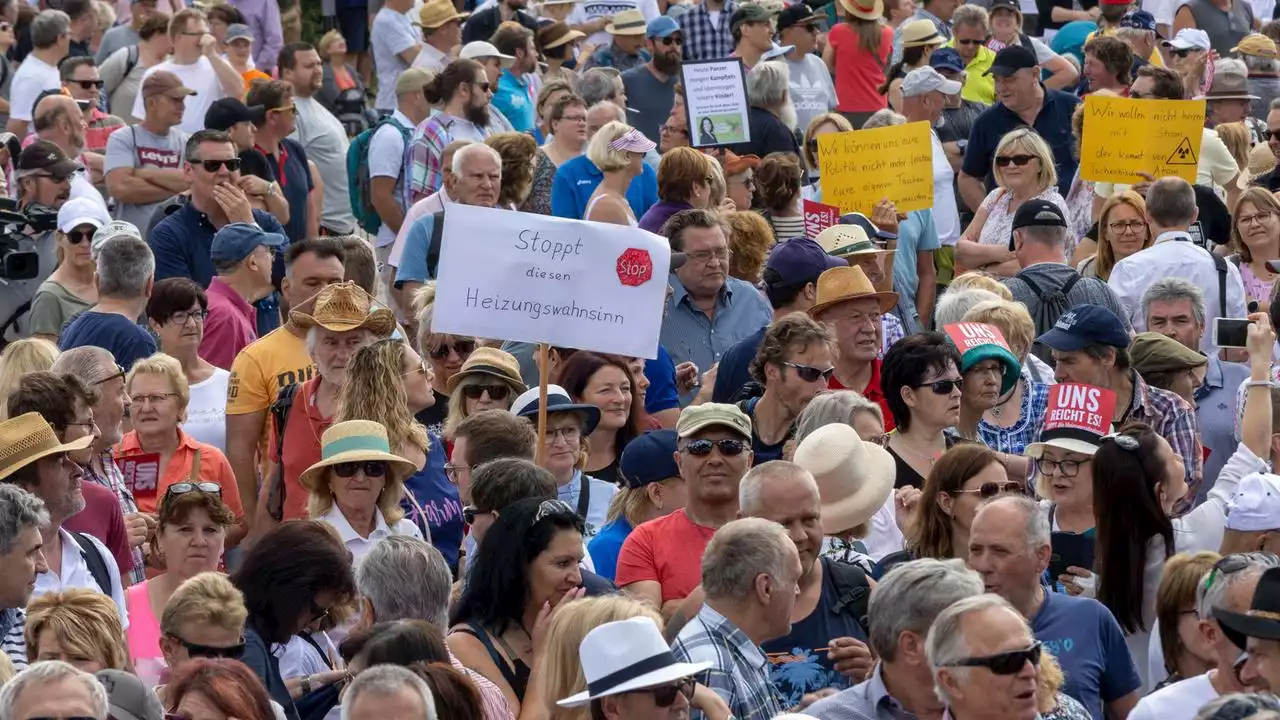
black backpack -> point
(1052, 306)
(97, 566)
(853, 591)
(279, 418)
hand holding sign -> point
(863, 167)
(1126, 140)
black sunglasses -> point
(1181, 53)
(1009, 663)
(665, 695)
(1273, 134)
(484, 86)
(971, 42)
(469, 514)
(727, 446)
(462, 347)
(372, 468)
(672, 40)
(1019, 160)
(232, 164)
(942, 387)
(89, 84)
(808, 373)
(497, 393)
(231, 652)
(989, 490)
(75, 236)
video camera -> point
(17, 224)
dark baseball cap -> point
(1010, 60)
(1085, 325)
(1140, 20)
(235, 241)
(796, 262)
(227, 112)
(44, 155)
(649, 458)
(1038, 213)
(798, 14)
(946, 58)
(1005, 5)
(749, 12)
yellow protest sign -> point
(861, 167)
(1124, 136)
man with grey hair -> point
(601, 84)
(903, 606)
(51, 38)
(1174, 307)
(53, 689)
(577, 179)
(771, 118)
(126, 273)
(750, 572)
(985, 662)
(388, 692)
(1171, 210)
(405, 578)
(22, 515)
(1009, 546)
(1229, 586)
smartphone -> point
(1230, 332)
(1069, 549)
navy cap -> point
(946, 58)
(796, 262)
(1085, 325)
(649, 458)
(1139, 20)
(235, 241)
(1010, 60)
(798, 14)
(227, 112)
(1038, 213)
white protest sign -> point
(716, 101)
(543, 279)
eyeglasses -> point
(1009, 663)
(1064, 468)
(872, 318)
(942, 387)
(372, 468)
(747, 182)
(88, 426)
(808, 373)
(569, 434)
(727, 447)
(75, 236)
(1019, 160)
(89, 84)
(1258, 218)
(182, 316)
(119, 373)
(497, 393)
(152, 399)
(420, 369)
(704, 256)
(230, 652)
(232, 164)
(193, 34)
(573, 118)
(291, 109)
(462, 347)
(667, 129)
(183, 488)
(550, 507)
(452, 471)
(1127, 227)
(673, 40)
(665, 695)
(1134, 94)
(991, 489)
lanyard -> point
(280, 163)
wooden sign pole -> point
(544, 372)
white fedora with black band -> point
(625, 656)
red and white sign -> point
(635, 267)
(818, 217)
(1079, 407)
(141, 473)
(969, 335)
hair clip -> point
(1126, 442)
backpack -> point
(97, 566)
(279, 418)
(1052, 305)
(359, 182)
(853, 591)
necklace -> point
(998, 410)
(929, 457)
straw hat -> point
(438, 12)
(840, 284)
(344, 307)
(493, 362)
(863, 9)
(1257, 45)
(921, 33)
(844, 241)
(627, 22)
(27, 438)
(355, 441)
(855, 478)
(1261, 162)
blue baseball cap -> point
(1085, 325)
(1139, 20)
(235, 241)
(661, 27)
(796, 262)
(946, 58)
(649, 458)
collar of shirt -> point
(194, 215)
(1212, 379)
(733, 636)
(9, 617)
(878, 695)
(678, 293)
(348, 534)
(308, 392)
(221, 289)
(508, 75)
(873, 391)
(1172, 235)
(129, 444)
(569, 491)
(401, 118)
(1141, 401)
(435, 54)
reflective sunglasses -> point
(808, 373)
(727, 446)
(1009, 663)
(230, 652)
(372, 468)
(989, 490)
(75, 236)
(462, 347)
(89, 84)
(942, 387)
(183, 488)
(497, 393)
(1019, 160)
(232, 164)
(665, 695)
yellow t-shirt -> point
(978, 86)
(1155, 58)
(262, 370)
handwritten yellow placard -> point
(861, 167)
(1123, 137)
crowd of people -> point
(1006, 457)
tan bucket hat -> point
(27, 438)
(438, 12)
(1261, 162)
(855, 478)
(492, 362)
(343, 307)
(840, 284)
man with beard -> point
(792, 365)
(320, 133)
(651, 87)
(462, 92)
(58, 119)
(511, 97)
(772, 117)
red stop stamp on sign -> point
(635, 267)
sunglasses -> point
(462, 347)
(727, 446)
(1181, 53)
(665, 695)
(989, 490)
(484, 86)
(1019, 160)
(291, 109)
(230, 652)
(942, 387)
(497, 393)
(1273, 134)
(372, 468)
(547, 508)
(183, 488)
(232, 164)
(75, 236)
(470, 512)
(89, 84)
(1009, 663)
(808, 373)
(673, 40)
(970, 42)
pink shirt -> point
(144, 635)
(230, 327)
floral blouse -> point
(544, 173)
(999, 225)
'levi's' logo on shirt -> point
(158, 158)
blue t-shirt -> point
(1089, 645)
(512, 100)
(916, 234)
(735, 366)
(124, 339)
(662, 393)
(576, 179)
(606, 545)
(441, 507)
(798, 663)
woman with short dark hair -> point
(176, 312)
(921, 379)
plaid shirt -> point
(739, 671)
(113, 480)
(702, 40)
(426, 147)
(1175, 420)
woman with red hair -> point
(217, 690)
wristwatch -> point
(273, 188)
(306, 684)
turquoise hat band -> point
(355, 443)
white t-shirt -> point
(946, 217)
(588, 10)
(1179, 701)
(199, 76)
(207, 411)
(325, 141)
(34, 76)
(392, 34)
(386, 159)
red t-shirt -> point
(858, 72)
(301, 446)
(667, 550)
(103, 519)
(872, 392)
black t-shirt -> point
(434, 416)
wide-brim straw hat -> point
(627, 22)
(1261, 162)
(841, 284)
(344, 307)
(438, 12)
(355, 441)
(862, 9)
(27, 438)
(855, 478)
(492, 362)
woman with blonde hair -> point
(684, 183)
(618, 150)
(337, 76)
(857, 52)
(70, 289)
(1238, 141)
(488, 380)
(823, 124)
(979, 280)
(1024, 170)
(517, 151)
(750, 240)
(445, 354)
(1255, 238)
(209, 607)
(79, 626)
(1122, 231)
(1185, 651)
(19, 358)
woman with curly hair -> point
(750, 240)
(81, 627)
(517, 151)
(1122, 231)
(779, 178)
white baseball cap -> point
(82, 211)
(480, 49)
(1189, 39)
(925, 80)
(1255, 505)
(110, 231)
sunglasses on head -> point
(665, 695)
(89, 84)
(462, 347)
(183, 488)
(1009, 663)
(372, 468)
(989, 490)
(1019, 160)
(497, 393)
(727, 446)
(808, 373)
(942, 387)
(230, 652)
(232, 164)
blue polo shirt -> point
(576, 179)
(290, 169)
(662, 393)
(512, 99)
(1053, 123)
(1216, 417)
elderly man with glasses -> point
(984, 660)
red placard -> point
(969, 335)
(1080, 407)
(818, 217)
(635, 267)
(141, 473)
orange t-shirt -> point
(251, 75)
(302, 434)
(213, 468)
(668, 550)
(858, 72)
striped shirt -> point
(113, 480)
(739, 671)
(426, 148)
(12, 624)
